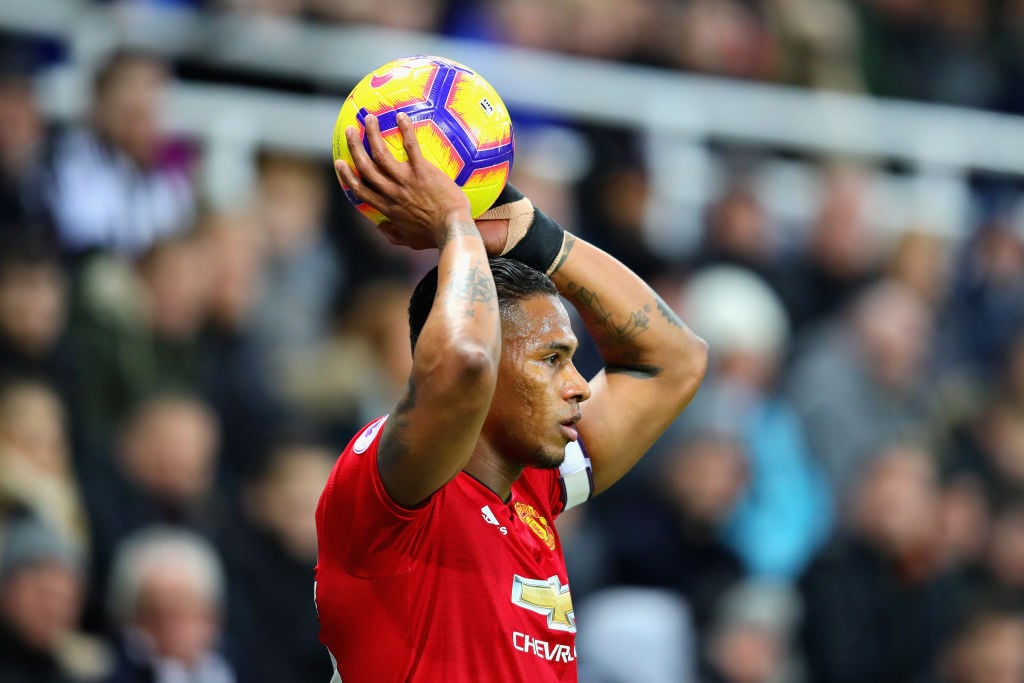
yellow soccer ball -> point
(461, 123)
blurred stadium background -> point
(193, 322)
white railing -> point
(680, 113)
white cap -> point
(734, 310)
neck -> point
(493, 470)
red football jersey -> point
(464, 588)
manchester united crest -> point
(538, 525)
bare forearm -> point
(635, 331)
(453, 375)
(653, 362)
(464, 317)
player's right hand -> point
(419, 200)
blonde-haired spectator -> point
(35, 464)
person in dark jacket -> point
(41, 591)
(878, 601)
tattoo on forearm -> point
(567, 246)
(614, 333)
(458, 229)
(475, 286)
(635, 326)
(668, 313)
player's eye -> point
(552, 359)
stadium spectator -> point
(988, 648)
(613, 202)
(878, 602)
(1009, 41)
(167, 592)
(269, 556)
(666, 531)
(409, 15)
(116, 184)
(25, 143)
(138, 328)
(873, 361)
(41, 592)
(33, 316)
(606, 29)
(360, 370)
(965, 521)
(991, 448)
(722, 38)
(962, 67)
(302, 277)
(739, 232)
(234, 364)
(894, 34)
(930, 51)
(818, 43)
(1003, 570)
(36, 473)
(839, 257)
(983, 428)
(785, 510)
(162, 472)
(753, 634)
(923, 262)
(524, 23)
(986, 303)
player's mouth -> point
(569, 427)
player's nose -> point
(577, 388)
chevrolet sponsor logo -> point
(548, 597)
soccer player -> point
(438, 555)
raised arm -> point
(430, 435)
(653, 362)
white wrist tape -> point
(577, 476)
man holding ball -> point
(439, 559)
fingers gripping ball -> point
(461, 124)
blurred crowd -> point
(842, 503)
(964, 52)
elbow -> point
(460, 375)
(456, 365)
(700, 360)
(694, 367)
(474, 365)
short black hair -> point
(512, 280)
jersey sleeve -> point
(358, 524)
